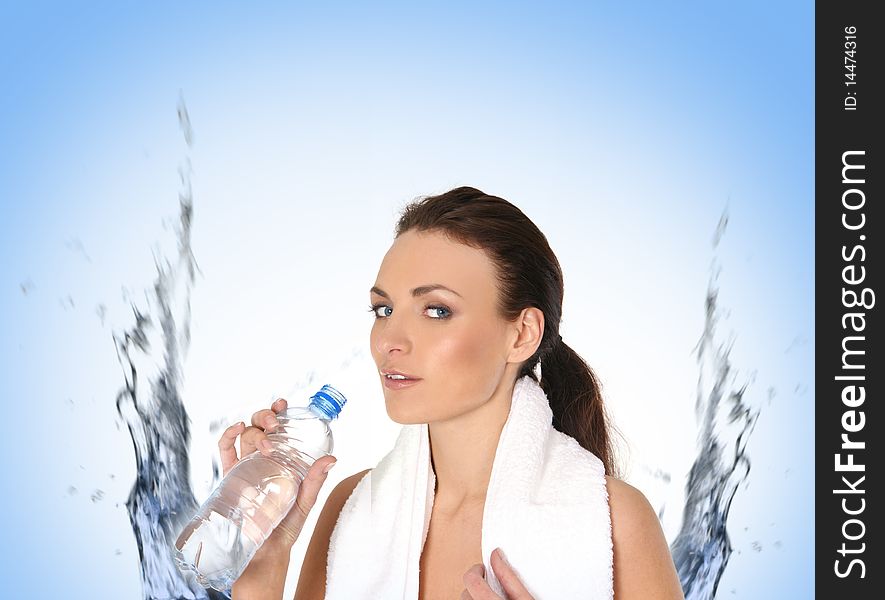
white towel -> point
(546, 508)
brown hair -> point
(528, 274)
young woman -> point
(467, 302)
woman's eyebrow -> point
(418, 291)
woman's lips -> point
(398, 384)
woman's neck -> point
(462, 451)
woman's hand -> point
(255, 438)
(478, 589)
(271, 562)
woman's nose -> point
(391, 338)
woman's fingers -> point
(226, 446)
(263, 422)
(250, 437)
(291, 526)
(310, 487)
(476, 587)
(265, 419)
(507, 576)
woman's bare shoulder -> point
(346, 486)
(626, 499)
(312, 580)
(643, 565)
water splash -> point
(161, 500)
(702, 548)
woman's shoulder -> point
(349, 483)
(634, 522)
(341, 493)
(312, 580)
(630, 503)
(643, 565)
(335, 502)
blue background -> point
(625, 130)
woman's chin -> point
(405, 417)
(400, 412)
(407, 422)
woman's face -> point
(452, 342)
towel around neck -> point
(546, 507)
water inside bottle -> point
(213, 545)
(241, 515)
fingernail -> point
(329, 466)
(501, 555)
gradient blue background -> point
(624, 130)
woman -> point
(467, 302)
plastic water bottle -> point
(256, 494)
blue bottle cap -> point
(327, 402)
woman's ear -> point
(529, 328)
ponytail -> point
(575, 398)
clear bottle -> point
(256, 494)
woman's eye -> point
(438, 312)
(385, 310)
